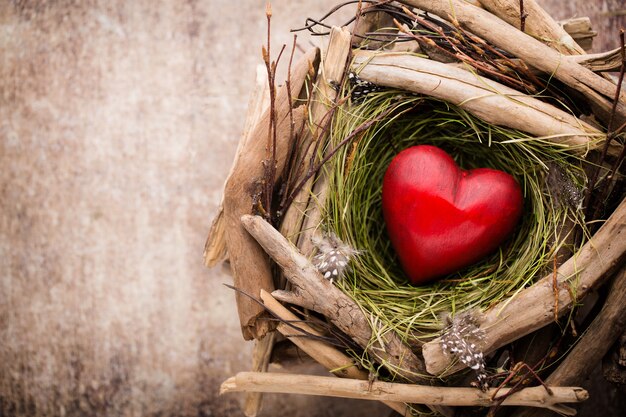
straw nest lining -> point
(551, 180)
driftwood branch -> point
(387, 391)
(335, 73)
(605, 329)
(534, 307)
(332, 359)
(215, 246)
(314, 292)
(484, 98)
(604, 61)
(323, 99)
(598, 90)
(538, 23)
(580, 29)
(250, 264)
(260, 363)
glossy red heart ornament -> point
(441, 218)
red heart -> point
(441, 218)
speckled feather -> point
(333, 256)
(462, 339)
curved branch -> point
(533, 308)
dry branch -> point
(598, 90)
(294, 329)
(538, 23)
(605, 61)
(332, 359)
(314, 292)
(322, 101)
(484, 98)
(419, 394)
(251, 266)
(533, 307)
(605, 329)
(215, 246)
(580, 29)
(260, 362)
(335, 71)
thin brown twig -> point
(270, 160)
(519, 384)
(295, 164)
(462, 47)
(288, 84)
(330, 154)
(522, 16)
(292, 132)
(595, 204)
(271, 136)
(326, 121)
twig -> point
(362, 128)
(480, 65)
(288, 84)
(351, 388)
(522, 16)
(323, 105)
(332, 359)
(270, 159)
(518, 386)
(598, 339)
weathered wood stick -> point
(598, 90)
(605, 329)
(297, 331)
(324, 95)
(332, 359)
(419, 394)
(604, 61)
(314, 292)
(533, 307)
(538, 23)
(260, 363)
(580, 29)
(484, 98)
(250, 265)
(215, 246)
(312, 219)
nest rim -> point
(417, 312)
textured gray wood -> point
(607, 17)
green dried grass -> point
(354, 212)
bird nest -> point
(519, 97)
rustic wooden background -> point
(118, 123)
